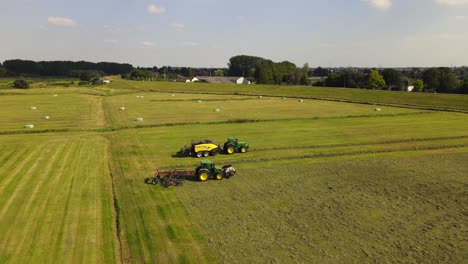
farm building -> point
(222, 79)
(104, 80)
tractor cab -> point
(206, 164)
(232, 141)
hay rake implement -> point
(168, 178)
(206, 170)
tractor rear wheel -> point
(203, 175)
(219, 176)
(230, 149)
(243, 150)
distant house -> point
(222, 79)
(406, 87)
(104, 80)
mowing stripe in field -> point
(154, 225)
(16, 181)
(10, 163)
(30, 211)
(61, 206)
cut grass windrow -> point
(330, 154)
(385, 142)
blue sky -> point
(206, 33)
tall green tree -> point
(219, 72)
(441, 80)
(393, 77)
(376, 80)
(418, 86)
(463, 87)
(304, 80)
(243, 65)
(448, 81)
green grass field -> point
(324, 181)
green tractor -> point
(233, 145)
(208, 170)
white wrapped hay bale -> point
(172, 94)
(216, 110)
(139, 119)
(55, 95)
(284, 98)
(378, 109)
(301, 100)
(260, 97)
(46, 117)
(33, 108)
(122, 108)
(199, 101)
(29, 126)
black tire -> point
(203, 175)
(229, 149)
(199, 154)
(206, 154)
(219, 175)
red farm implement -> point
(206, 170)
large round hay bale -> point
(301, 100)
(199, 101)
(55, 95)
(139, 119)
(260, 97)
(33, 108)
(284, 98)
(216, 110)
(122, 108)
(46, 117)
(29, 126)
(378, 109)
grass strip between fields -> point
(232, 121)
(323, 98)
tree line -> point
(257, 70)
(440, 80)
(61, 68)
(265, 71)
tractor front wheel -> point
(203, 175)
(243, 150)
(219, 176)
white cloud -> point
(178, 27)
(380, 4)
(452, 2)
(111, 41)
(62, 21)
(460, 17)
(147, 44)
(156, 10)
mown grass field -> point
(324, 182)
(56, 200)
